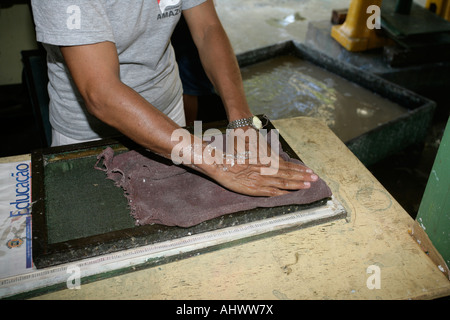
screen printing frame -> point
(47, 254)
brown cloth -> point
(160, 192)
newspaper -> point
(15, 219)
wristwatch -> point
(251, 121)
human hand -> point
(253, 167)
(247, 178)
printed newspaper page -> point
(15, 219)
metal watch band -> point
(239, 123)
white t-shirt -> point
(141, 31)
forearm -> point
(221, 66)
(95, 70)
(124, 109)
(218, 59)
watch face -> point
(257, 123)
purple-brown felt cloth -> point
(163, 193)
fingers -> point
(290, 171)
(273, 185)
(267, 192)
(248, 179)
(287, 181)
(293, 166)
(297, 174)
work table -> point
(370, 255)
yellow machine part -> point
(441, 7)
(354, 34)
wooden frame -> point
(47, 254)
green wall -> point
(434, 211)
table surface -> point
(336, 260)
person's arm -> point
(221, 66)
(218, 58)
(95, 70)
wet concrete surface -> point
(252, 24)
(286, 87)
